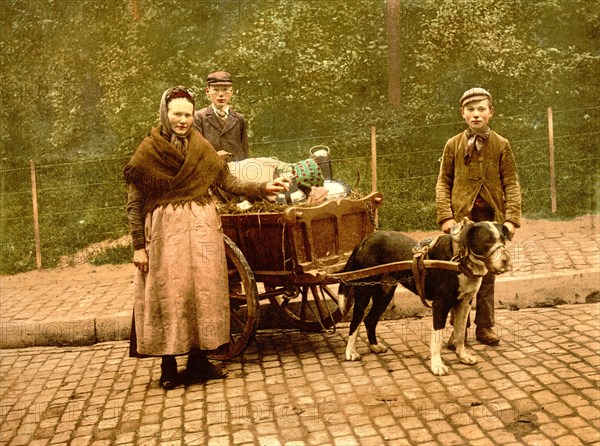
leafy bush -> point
(306, 72)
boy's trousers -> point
(484, 310)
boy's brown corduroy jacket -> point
(491, 174)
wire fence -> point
(83, 202)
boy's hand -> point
(140, 259)
(277, 185)
(224, 154)
(511, 229)
(447, 225)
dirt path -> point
(86, 272)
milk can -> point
(337, 189)
(321, 156)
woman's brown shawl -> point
(164, 176)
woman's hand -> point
(140, 259)
(447, 225)
(277, 185)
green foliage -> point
(301, 65)
(81, 80)
(302, 68)
(79, 204)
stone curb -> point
(85, 331)
(514, 293)
(536, 290)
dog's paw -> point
(352, 356)
(467, 359)
(378, 348)
(438, 367)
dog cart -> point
(290, 256)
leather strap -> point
(419, 273)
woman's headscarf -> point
(180, 142)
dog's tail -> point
(346, 291)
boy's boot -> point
(487, 336)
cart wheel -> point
(244, 303)
(311, 307)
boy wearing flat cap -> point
(222, 126)
(478, 179)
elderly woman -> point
(181, 289)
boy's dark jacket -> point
(491, 174)
(232, 137)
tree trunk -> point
(393, 43)
(134, 9)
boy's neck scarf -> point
(475, 141)
(164, 175)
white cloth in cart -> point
(258, 170)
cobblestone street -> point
(540, 386)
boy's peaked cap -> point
(219, 78)
(475, 94)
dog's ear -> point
(466, 225)
(475, 266)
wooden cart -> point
(291, 256)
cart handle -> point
(393, 267)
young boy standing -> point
(478, 179)
(222, 126)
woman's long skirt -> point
(182, 303)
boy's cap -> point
(475, 94)
(219, 78)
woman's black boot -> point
(199, 369)
(169, 379)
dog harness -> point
(420, 253)
(461, 254)
(490, 253)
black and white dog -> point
(477, 247)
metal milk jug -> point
(321, 156)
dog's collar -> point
(458, 251)
(464, 269)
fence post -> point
(36, 222)
(374, 168)
(373, 160)
(551, 157)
